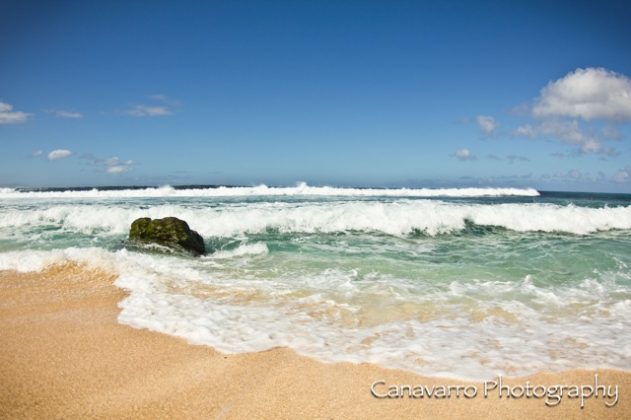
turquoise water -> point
(469, 284)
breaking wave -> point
(397, 218)
(300, 189)
(413, 278)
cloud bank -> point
(583, 109)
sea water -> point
(468, 283)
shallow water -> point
(466, 283)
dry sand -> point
(62, 354)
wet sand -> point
(63, 354)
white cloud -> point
(487, 124)
(59, 154)
(66, 114)
(566, 107)
(591, 93)
(568, 132)
(149, 111)
(9, 116)
(38, 152)
(116, 166)
(464, 154)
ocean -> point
(466, 283)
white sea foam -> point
(351, 307)
(500, 327)
(300, 189)
(398, 218)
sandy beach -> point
(63, 354)
(315, 210)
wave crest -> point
(301, 189)
(398, 218)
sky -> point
(347, 93)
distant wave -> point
(397, 218)
(300, 189)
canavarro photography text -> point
(552, 395)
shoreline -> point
(64, 354)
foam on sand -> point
(331, 316)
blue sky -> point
(397, 93)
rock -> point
(170, 232)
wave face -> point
(301, 189)
(466, 287)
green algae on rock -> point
(171, 232)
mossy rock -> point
(170, 232)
